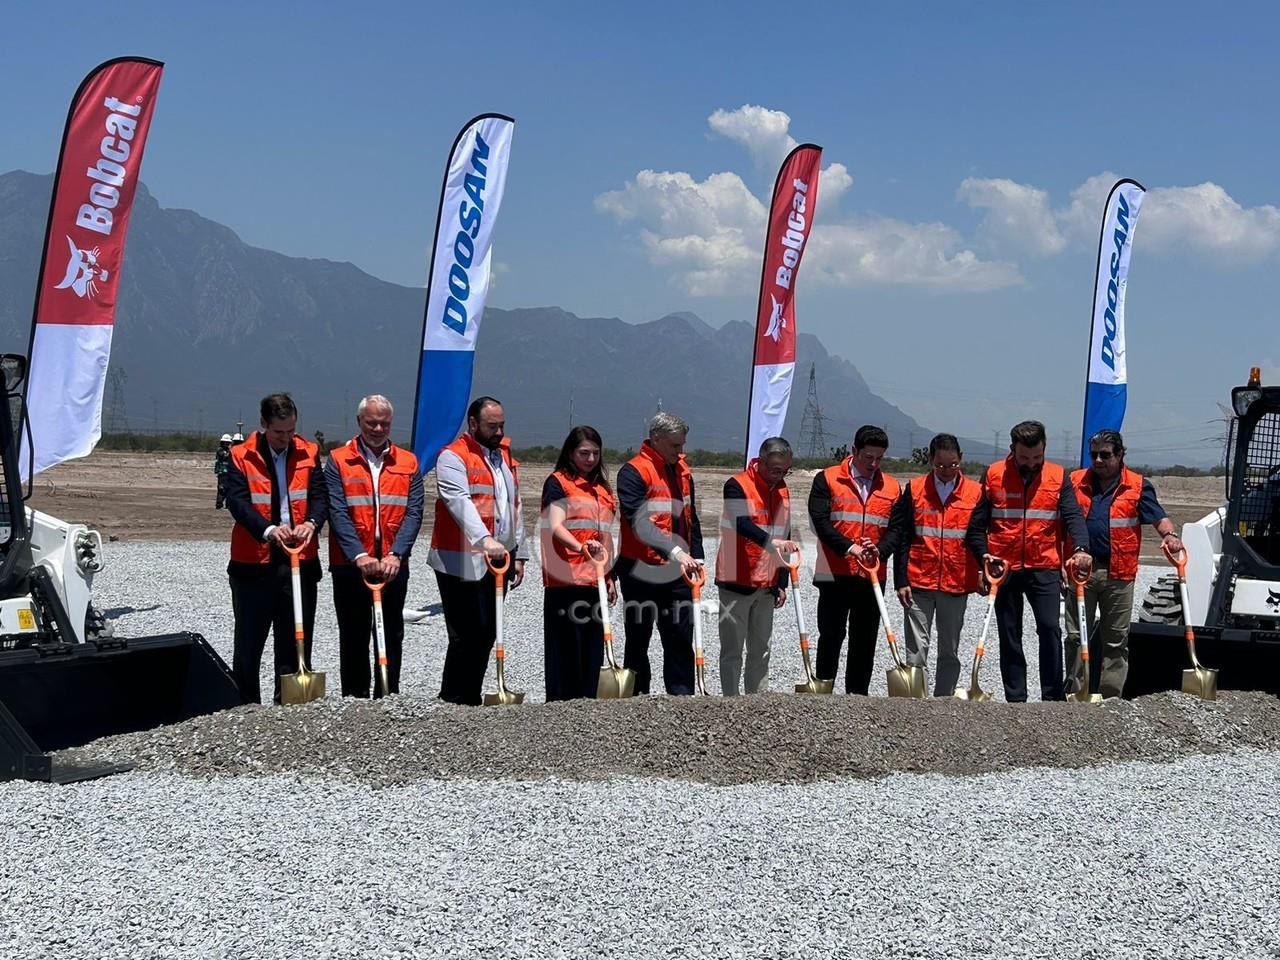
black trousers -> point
(1043, 590)
(262, 602)
(472, 628)
(847, 602)
(353, 603)
(573, 642)
(669, 606)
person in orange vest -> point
(755, 534)
(661, 537)
(578, 509)
(1028, 508)
(849, 508)
(1116, 503)
(477, 513)
(376, 504)
(932, 568)
(276, 495)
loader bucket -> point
(67, 695)
(1244, 659)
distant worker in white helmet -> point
(221, 461)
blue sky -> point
(967, 151)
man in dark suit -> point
(276, 494)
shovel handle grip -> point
(600, 563)
(871, 567)
(496, 568)
(792, 565)
(696, 579)
(989, 567)
(1179, 559)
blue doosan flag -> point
(458, 281)
(1107, 384)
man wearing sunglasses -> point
(1116, 503)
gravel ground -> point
(159, 587)
(1133, 860)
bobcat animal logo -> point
(83, 272)
(776, 321)
(1273, 598)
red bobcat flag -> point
(795, 200)
(83, 251)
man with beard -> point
(477, 515)
(1028, 508)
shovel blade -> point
(503, 698)
(296, 688)
(616, 683)
(974, 694)
(1201, 681)
(906, 681)
(1083, 697)
(816, 686)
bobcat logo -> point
(1273, 599)
(776, 321)
(83, 272)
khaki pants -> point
(947, 610)
(1109, 609)
(745, 619)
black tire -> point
(1162, 604)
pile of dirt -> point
(774, 738)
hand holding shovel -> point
(1199, 680)
(503, 696)
(811, 682)
(616, 683)
(1080, 578)
(305, 685)
(904, 680)
(696, 579)
(995, 570)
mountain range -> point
(207, 324)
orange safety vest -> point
(739, 561)
(1025, 525)
(658, 506)
(301, 460)
(938, 558)
(446, 534)
(589, 509)
(1126, 530)
(367, 507)
(855, 519)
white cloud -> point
(832, 183)
(1018, 216)
(1205, 218)
(762, 131)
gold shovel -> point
(1199, 680)
(615, 683)
(503, 696)
(1082, 695)
(811, 683)
(975, 693)
(695, 583)
(904, 680)
(379, 636)
(305, 685)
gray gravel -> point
(165, 586)
(1133, 860)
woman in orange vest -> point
(578, 510)
(933, 569)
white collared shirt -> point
(375, 470)
(944, 489)
(281, 462)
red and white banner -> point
(795, 201)
(83, 251)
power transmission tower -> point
(813, 435)
(117, 420)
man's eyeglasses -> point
(1101, 454)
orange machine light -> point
(1255, 376)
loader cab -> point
(1251, 527)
